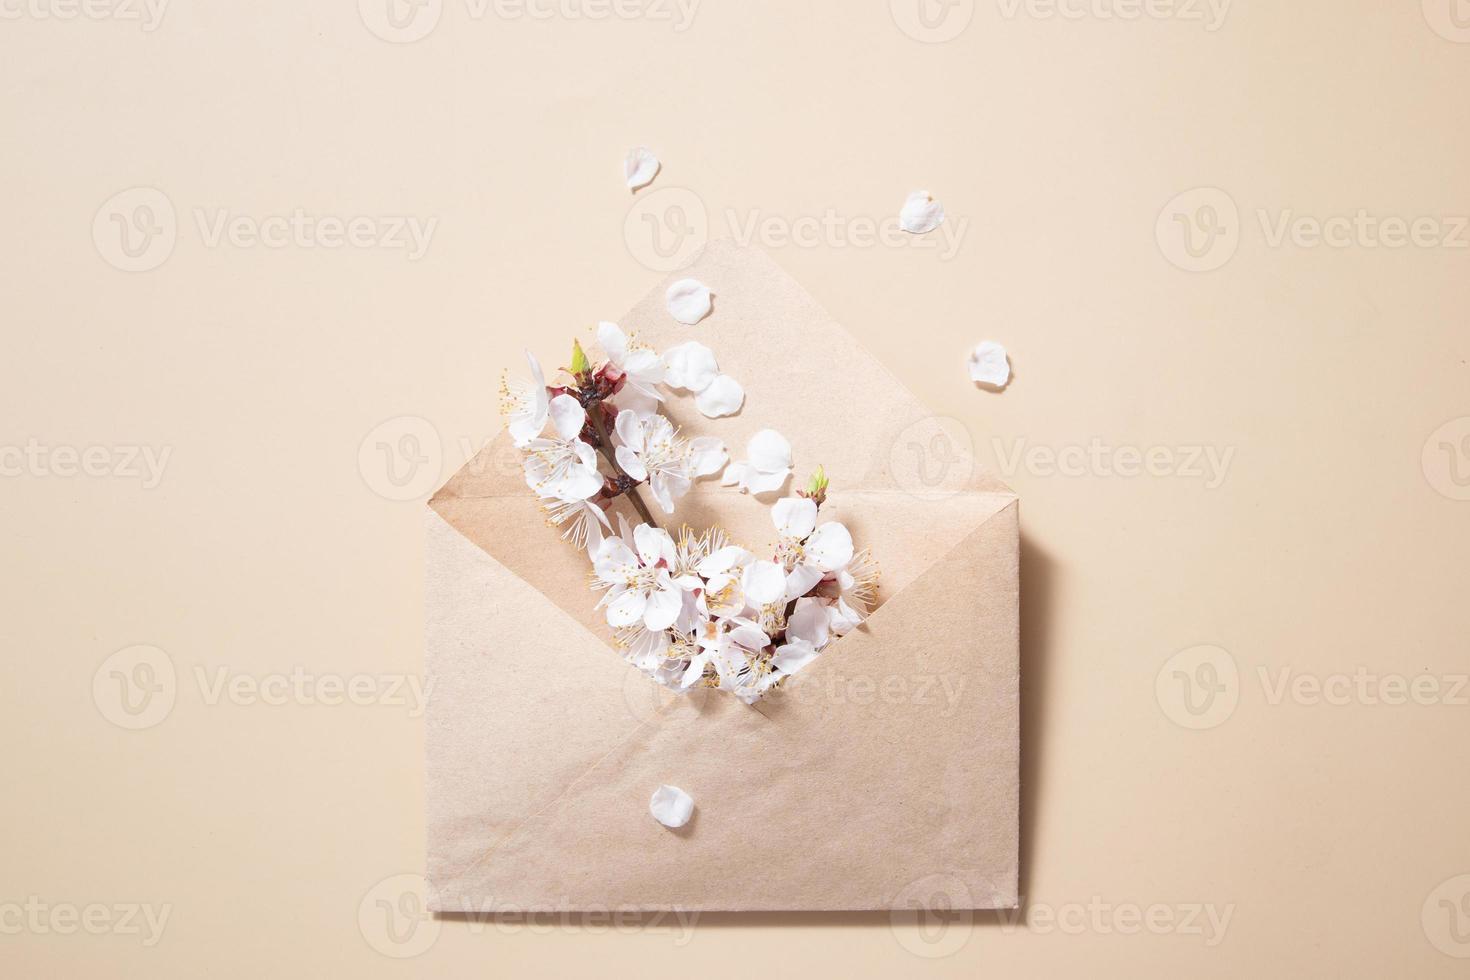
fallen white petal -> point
(769, 451)
(920, 214)
(689, 301)
(988, 364)
(639, 167)
(671, 806)
(724, 396)
(691, 366)
(707, 455)
(758, 482)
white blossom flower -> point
(767, 467)
(583, 520)
(639, 368)
(639, 587)
(564, 467)
(729, 646)
(852, 593)
(989, 366)
(650, 449)
(689, 301)
(806, 552)
(921, 213)
(640, 166)
(524, 404)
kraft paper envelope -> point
(884, 775)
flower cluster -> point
(696, 610)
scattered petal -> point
(640, 166)
(921, 213)
(671, 806)
(689, 301)
(724, 396)
(989, 365)
(691, 366)
(769, 451)
(707, 455)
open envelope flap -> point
(885, 775)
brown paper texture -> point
(885, 775)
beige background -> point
(1333, 835)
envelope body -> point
(884, 775)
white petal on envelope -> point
(724, 396)
(733, 475)
(707, 455)
(829, 547)
(769, 451)
(691, 366)
(764, 582)
(989, 365)
(921, 213)
(640, 166)
(759, 483)
(689, 301)
(671, 806)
